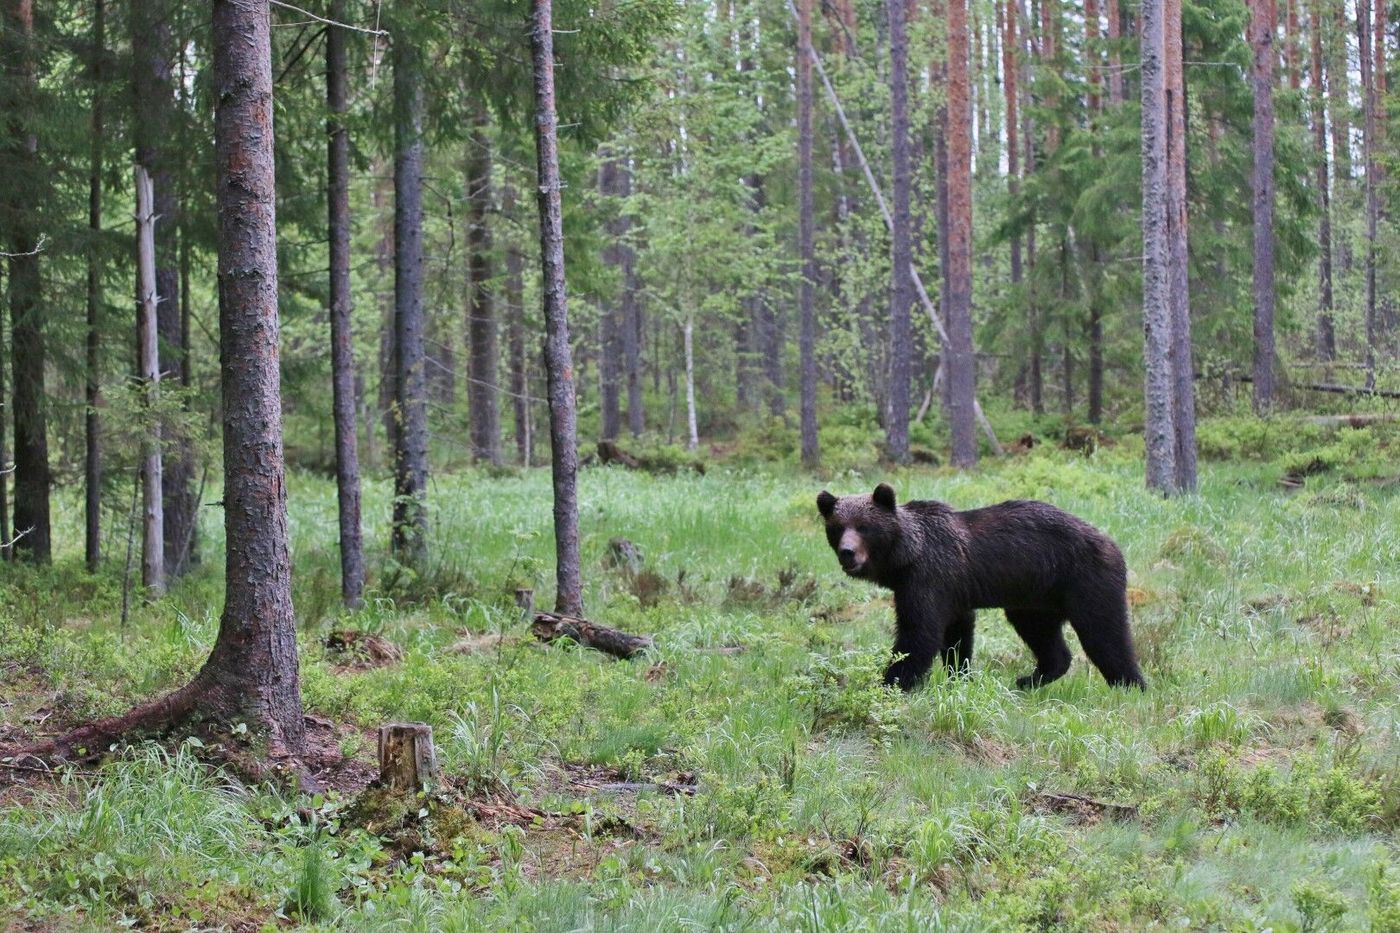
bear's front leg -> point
(919, 628)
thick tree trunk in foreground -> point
(410, 533)
(1156, 281)
(901, 250)
(806, 240)
(1261, 26)
(1183, 375)
(563, 430)
(962, 364)
(92, 428)
(148, 369)
(1326, 332)
(347, 453)
(251, 674)
(31, 535)
(484, 410)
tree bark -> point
(901, 250)
(92, 428)
(631, 322)
(806, 240)
(1183, 372)
(1094, 278)
(519, 359)
(1115, 62)
(1369, 85)
(1013, 154)
(31, 537)
(563, 432)
(410, 533)
(148, 367)
(1339, 91)
(484, 410)
(962, 363)
(408, 761)
(154, 123)
(347, 453)
(1326, 332)
(613, 319)
(692, 437)
(1156, 276)
(1262, 74)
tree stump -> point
(407, 759)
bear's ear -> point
(826, 503)
(884, 496)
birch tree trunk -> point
(563, 430)
(347, 452)
(692, 441)
(410, 531)
(1262, 40)
(1156, 282)
(148, 367)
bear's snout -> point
(847, 557)
(850, 551)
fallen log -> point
(550, 626)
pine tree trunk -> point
(31, 535)
(1094, 279)
(1183, 376)
(563, 432)
(410, 531)
(806, 238)
(1262, 40)
(631, 321)
(484, 410)
(347, 453)
(1156, 281)
(611, 320)
(1115, 62)
(1326, 332)
(1013, 154)
(901, 251)
(92, 428)
(962, 364)
(519, 359)
(6, 542)
(1339, 91)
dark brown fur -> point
(1039, 564)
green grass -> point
(1256, 780)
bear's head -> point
(864, 531)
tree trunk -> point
(519, 359)
(1013, 155)
(901, 251)
(347, 454)
(1369, 82)
(251, 674)
(562, 418)
(6, 542)
(1156, 278)
(407, 759)
(962, 363)
(806, 239)
(31, 463)
(484, 408)
(1339, 90)
(692, 436)
(148, 369)
(1291, 48)
(631, 321)
(1183, 375)
(92, 451)
(410, 533)
(1115, 62)
(1262, 39)
(154, 123)
(613, 317)
(1326, 333)
(1095, 273)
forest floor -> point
(750, 772)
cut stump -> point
(550, 626)
(407, 760)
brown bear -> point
(1039, 564)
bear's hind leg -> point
(1102, 627)
(957, 640)
(1043, 633)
